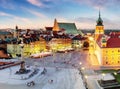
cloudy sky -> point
(41, 13)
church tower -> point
(99, 27)
(16, 32)
(56, 27)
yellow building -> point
(107, 47)
(28, 49)
(60, 44)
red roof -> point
(113, 43)
(114, 40)
(49, 28)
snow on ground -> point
(8, 76)
(65, 76)
(62, 79)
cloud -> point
(15, 17)
(85, 19)
(4, 14)
(36, 2)
(90, 23)
(45, 3)
(100, 3)
(38, 14)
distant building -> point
(67, 28)
(60, 42)
(107, 46)
(5, 34)
(77, 41)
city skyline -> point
(41, 13)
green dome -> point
(99, 21)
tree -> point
(86, 44)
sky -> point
(37, 14)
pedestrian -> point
(50, 81)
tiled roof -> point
(113, 42)
(4, 33)
(49, 28)
(79, 37)
(70, 28)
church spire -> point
(99, 21)
(55, 27)
(99, 13)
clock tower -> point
(99, 27)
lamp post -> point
(102, 79)
(80, 68)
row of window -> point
(112, 63)
(111, 51)
(106, 58)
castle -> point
(107, 47)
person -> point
(50, 81)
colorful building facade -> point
(107, 47)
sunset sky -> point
(41, 13)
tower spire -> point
(99, 21)
(99, 13)
(55, 27)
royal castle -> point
(107, 47)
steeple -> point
(55, 27)
(99, 21)
(16, 27)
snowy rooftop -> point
(8, 60)
(107, 76)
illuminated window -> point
(106, 62)
(118, 50)
(118, 61)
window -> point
(106, 62)
(118, 61)
(118, 50)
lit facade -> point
(31, 48)
(107, 47)
(60, 43)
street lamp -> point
(103, 74)
(80, 63)
(115, 73)
(86, 76)
(83, 68)
(102, 79)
